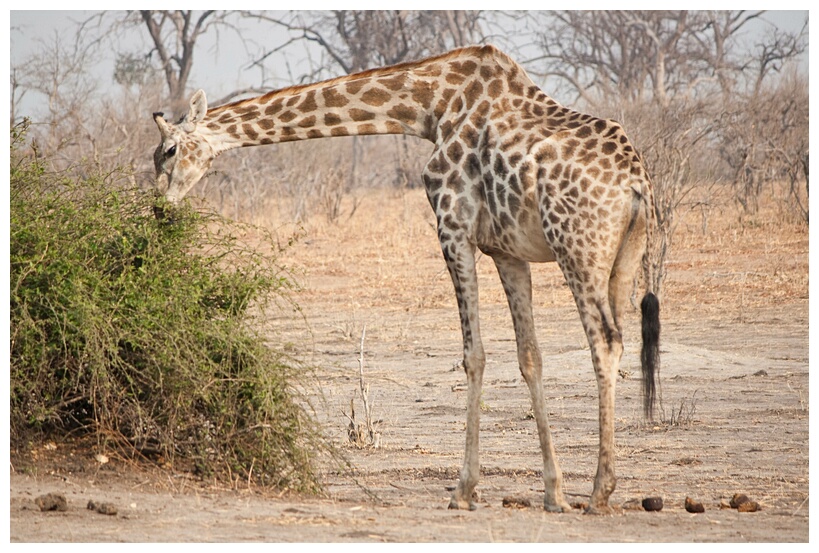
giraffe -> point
(514, 175)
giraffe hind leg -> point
(627, 264)
(517, 283)
(606, 345)
(601, 307)
(630, 258)
(601, 292)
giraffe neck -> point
(411, 98)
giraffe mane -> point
(488, 50)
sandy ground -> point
(734, 417)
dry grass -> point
(739, 263)
(388, 253)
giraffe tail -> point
(650, 354)
(650, 311)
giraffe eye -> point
(171, 151)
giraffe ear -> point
(199, 107)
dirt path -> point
(735, 400)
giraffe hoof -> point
(560, 507)
(462, 505)
(598, 510)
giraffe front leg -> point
(460, 258)
(470, 473)
(553, 499)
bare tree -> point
(75, 120)
(174, 34)
(18, 91)
(765, 122)
(764, 139)
(58, 72)
(638, 55)
(789, 147)
(676, 139)
(684, 85)
(174, 39)
(355, 40)
(717, 47)
(773, 52)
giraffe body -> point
(512, 174)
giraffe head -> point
(184, 155)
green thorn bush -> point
(144, 334)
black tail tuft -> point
(650, 356)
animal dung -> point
(512, 502)
(693, 506)
(748, 507)
(742, 504)
(52, 502)
(102, 508)
(738, 499)
(653, 503)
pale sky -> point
(218, 70)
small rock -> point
(516, 502)
(738, 499)
(102, 508)
(761, 372)
(693, 506)
(582, 505)
(52, 502)
(653, 503)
